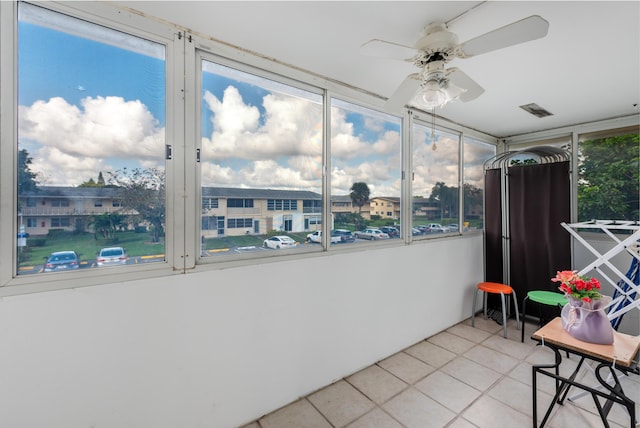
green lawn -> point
(136, 244)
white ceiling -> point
(587, 68)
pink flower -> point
(565, 276)
(581, 288)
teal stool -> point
(548, 298)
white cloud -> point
(72, 144)
(292, 126)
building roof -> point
(71, 192)
(233, 192)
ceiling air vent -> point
(536, 110)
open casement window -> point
(260, 166)
(365, 172)
(90, 143)
(435, 189)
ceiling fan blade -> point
(527, 29)
(458, 78)
(383, 49)
(404, 93)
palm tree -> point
(359, 194)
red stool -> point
(496, 288)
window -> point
(312, 206)
(282, 205)
(240, 203)
(262, 153)
(475, 154)
(365, 165)
(435, 186)
(608, 177)
(59, 202)
(209, 203)
(234, 223)
(60, 222)
(91, 106)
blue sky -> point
(53, 63)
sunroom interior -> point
(212, 339)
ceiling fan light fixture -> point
(436, 93)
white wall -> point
(221, 348)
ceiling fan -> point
(434, 86)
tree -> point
(88, 183)
(472, 199)
(608, 178)
(27, 180)
(142, 191)
(107, 224)
(447, 197)
(91, 183)
(359, 195)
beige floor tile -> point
(451, 342)
(431, 354)
(341, 403)
(492, 359)
(298, 414)
(376, 383)
(471, 373)
(448, 391)
(461, 423)
(523, 374)
(513, 348)
(375, 419)
(415, 410)
(489, 412)
(519, 396)
(406, 367)
(618, 413)
(573, 416)
(466, 331)
(487, 325)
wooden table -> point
(622, 354)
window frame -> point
(202, 50)
(112, 18)
(183, 53)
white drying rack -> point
(630, 244)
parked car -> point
(371, 234)
(317, 237)
(112, 256)
(62, 260)
(435, 228)
(344, 234)
(451, 227)
(415, 231)
(391, 231)
(279, 241)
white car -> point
(317, 237)
(279, 241)
(112, 256)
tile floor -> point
(463, 377)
